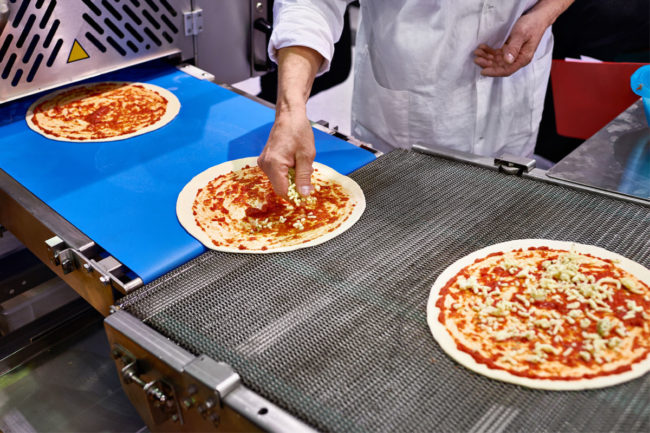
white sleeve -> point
(315, 24)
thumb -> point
(512, 47)
(303, 175)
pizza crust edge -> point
(447, 343)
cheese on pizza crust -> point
(547, 314)
(236, 209)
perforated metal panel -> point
(337, 334)
(47, 43)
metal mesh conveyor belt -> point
(337, 334)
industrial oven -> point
(330, 338)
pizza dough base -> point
(173, 107)
(188, 194)
(448, 344)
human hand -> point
(290, 144)
(518, 50)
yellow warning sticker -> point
(77, 52)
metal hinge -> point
(193, 22)
(511, 164)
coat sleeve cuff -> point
(302, 26)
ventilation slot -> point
(92, 7)
(135, 34)
(132, 15)
(47, 15)
(152, 5)
(133, 47)
(152, 36)
(169, 24)
(113, 27)
(112, 10)
(169, 8)
(149, 18)
(50, 34)
(95, 42)
(5, 46)
(26, 30)
(129, 28)
(39, 3)
(37, 63)
(117, 46)
(55, 51)
(9, 65)
(19, 15)
(16, 80)
(30, 49)
(93, 23)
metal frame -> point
(62, 247)
(501, 163)
(175, 391)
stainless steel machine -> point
(332, 338)
(49, 43)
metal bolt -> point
(174, 418)
(214, 417)
(259, 6)
(209, 403)
(87, 267)
(188, 403)
(104, 280)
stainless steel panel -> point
(616, 158)
(47, 43)
(229, 44)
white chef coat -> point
(415, 79)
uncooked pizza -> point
(545, 314)
(104, 111)
(232, 207)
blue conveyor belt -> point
(122, 194)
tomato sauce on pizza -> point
(99, 111)
(545, 313)
(239, 209)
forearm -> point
(549, 10)
(297, 68)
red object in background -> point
(587, 96)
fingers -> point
(290, 144)
(501, 67)
(276, 171)
(304, 169)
